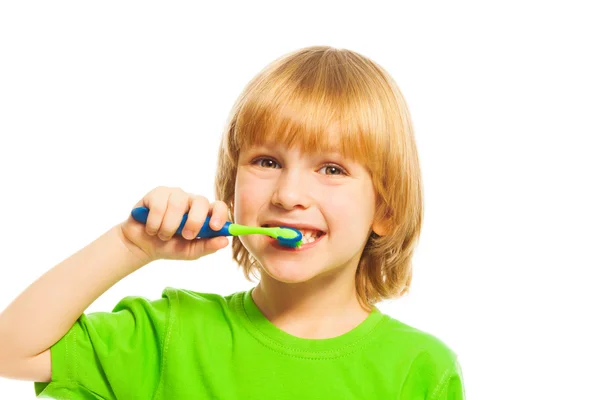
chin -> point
(287, 272)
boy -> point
(320, 140)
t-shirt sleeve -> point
(450, 386)
(111, 355)
(435, 372)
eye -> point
(334, 169)
(265, 162)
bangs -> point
(323, 109)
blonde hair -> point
(296, 100)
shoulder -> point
(172, 304)
(180, 295)
(186, 301)
(136, 303)
(420, 341)
(424, 354)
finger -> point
(218, 215)
(196, 216)
(156, 201)
(177, 205)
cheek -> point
(350, 212)
(248, 198)
(355, 202)
(341, 215)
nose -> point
(292, 190)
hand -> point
(157, 239)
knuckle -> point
(179, 203)
(201, 200)
(221, 209)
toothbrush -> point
(289, 237)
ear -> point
(381, 219)
(380, 228)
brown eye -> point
(266, 162)
(334, 170)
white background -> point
(102, 101)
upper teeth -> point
(309, 233)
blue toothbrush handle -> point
(140, 214)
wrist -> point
(136, 256)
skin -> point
(310, 294)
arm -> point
(46, 310)
(41, 315)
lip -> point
(306, 246)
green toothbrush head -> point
(289, 237)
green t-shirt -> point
(189, 345)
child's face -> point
(284, 186)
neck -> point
(312, 310)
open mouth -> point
(308, 235)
